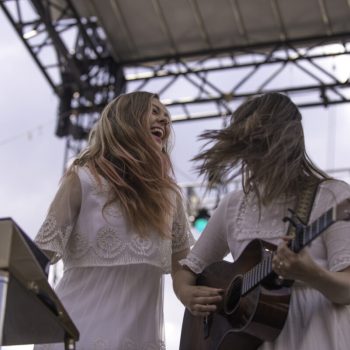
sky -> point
(31, 156)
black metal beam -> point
(244, 49)
(83, 72)
(19, 26)
(235, 65)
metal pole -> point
(4, 279)
(69, 343)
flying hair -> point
(264, 145)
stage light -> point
(201, 219)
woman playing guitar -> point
(264, 144)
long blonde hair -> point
(122, 151)
(264, 144)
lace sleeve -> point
(181, 232)
(60, 220)
(337, 236)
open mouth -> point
(158, 133)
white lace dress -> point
(313, 322)
(112, 286)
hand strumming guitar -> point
(200, 300)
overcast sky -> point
(31, 157)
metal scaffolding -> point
(75, 57)
(72, 54)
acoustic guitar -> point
(256, 301)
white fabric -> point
(313, 322)
(112, 283)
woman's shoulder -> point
(234, 195)
(331, 192)
(232, 199)
(82, 177)
(335, 187)
(84, 174)
(81, 171)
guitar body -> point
(242, 322)
(255, 304)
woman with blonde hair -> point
(118, 223)
(264, 144)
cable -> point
(23, 134)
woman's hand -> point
(335, 286)
(200, 300)
(295, 266)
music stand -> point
(30, 311)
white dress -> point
(313, 322)
(112, 286)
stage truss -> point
(73, 54)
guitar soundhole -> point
(233, 295)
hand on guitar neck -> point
(293, 266)
(291, 261)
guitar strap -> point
(304, 204)
(302, 212)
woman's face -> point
(159, 123)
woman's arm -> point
(212, 246)
(199, 300)
(335, 286)
(195, 298)
(334, 280)
(60, 220)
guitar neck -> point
(303, 237)
(309, 233)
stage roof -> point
(141, 30)
(202, 57)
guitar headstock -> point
(342, 210)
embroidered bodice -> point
(77, 230)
